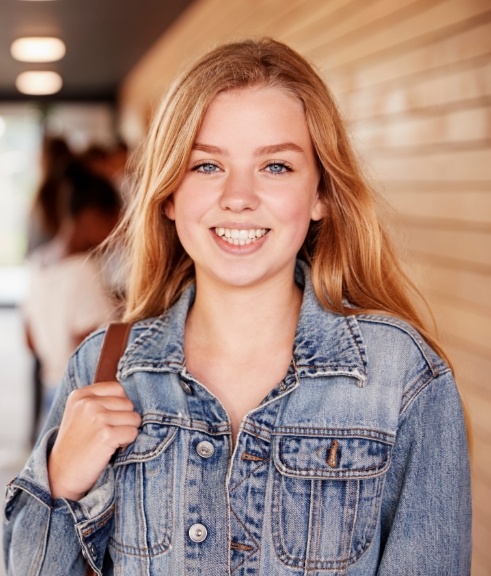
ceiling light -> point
(39, 83)
(36, 49)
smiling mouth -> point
(240, 237)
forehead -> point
(273, 110)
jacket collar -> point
(325, 343)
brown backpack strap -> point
(112, 349)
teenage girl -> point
(280, 408)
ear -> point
(318, 209)
(169, 208)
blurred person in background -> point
(111, 162)
(67, 297)
(47, 206)
(42, 226)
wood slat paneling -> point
(466, 205)
(480, 409)
(452, 165)
(462, 321)
(440, 130)
(471, 287)
(337, 22)
(467, 85)
(414, 79)
(432, 20)
(473, 368)
(459, 245)
(470, 42)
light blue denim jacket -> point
(356, 464)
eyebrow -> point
(272, 149)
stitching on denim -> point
(256, 544)
(354, 515)
(360, 345)
(162, 419)
(408, 398)
(163, 545)
(364, 433)
(415, 336)
(99, 522)
(310, 528)
(161, 446)
(256, 468)
(317, 488)
(321, 473)
(348, 556)
(142, 519)
(40, 555)
(250, 473)
(346, 509)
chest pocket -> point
(326, 498)
(144, 476)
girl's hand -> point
(98, 420)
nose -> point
(238, 192)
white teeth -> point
(240, 237)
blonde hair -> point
(348, 250)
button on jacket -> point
(355, 464)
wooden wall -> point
(413, 78)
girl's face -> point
(250, 191)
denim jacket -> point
(356, 464)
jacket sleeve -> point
(426, 510)
(43, 536)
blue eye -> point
(206, 168)
(277, 168)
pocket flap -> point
(152, 440)
(335, 457)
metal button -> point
(186, 387)
(93, 551)
(205, 449)
(198, 532)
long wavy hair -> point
(350, 254)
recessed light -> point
(37, 49)
(39, 83)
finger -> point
(116, 419)
(114, 437)
(112, 388)
(92, 404)
(127, 435)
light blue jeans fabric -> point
(356, 464)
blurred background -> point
(412, 78)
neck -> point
(238, 321)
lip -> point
(238, 249)
(239, 226)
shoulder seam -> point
(415, 391)
(403, 326)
